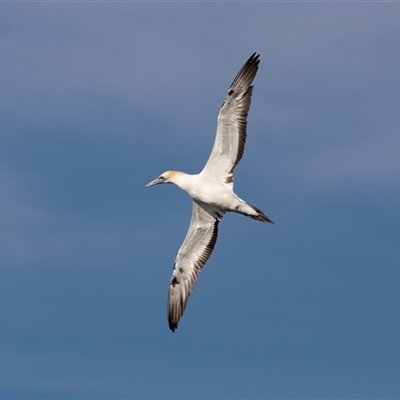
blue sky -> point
(99, 99)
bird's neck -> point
(185, 181)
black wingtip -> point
(172, 326)
(248, 71)
(255, 57)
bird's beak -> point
(155, 182)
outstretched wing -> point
(193, 254)
(230, 139)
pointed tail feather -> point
(260, 216)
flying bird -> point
(212, 191)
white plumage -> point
(212, 191)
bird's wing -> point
(193, 254)
(232, 121)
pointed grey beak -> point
(155, 182)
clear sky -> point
(97, 99)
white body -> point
(214, 196)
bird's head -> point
(165, 177)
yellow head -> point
(165, 177)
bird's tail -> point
(258, 215)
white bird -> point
(212, 191)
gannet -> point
(212, 191)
